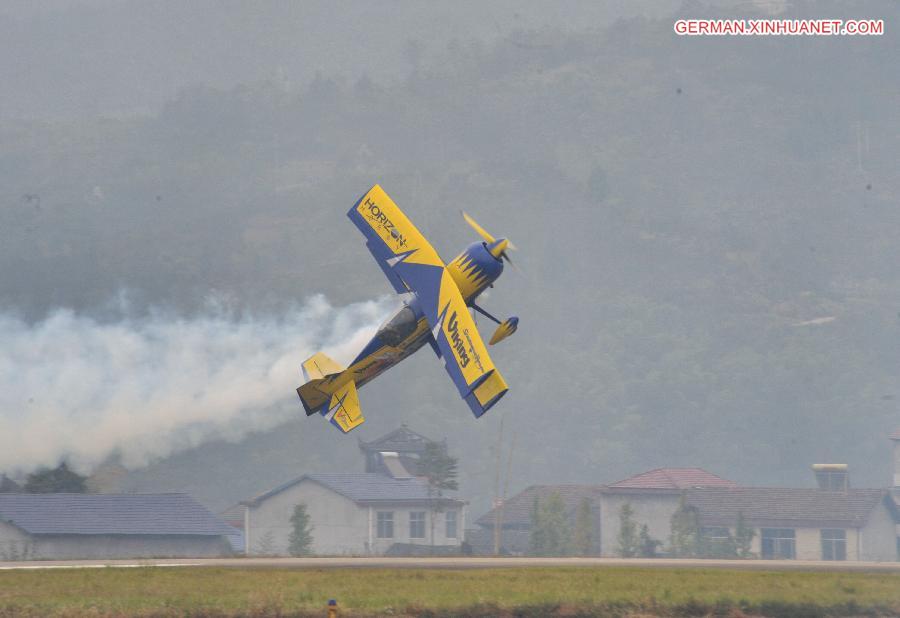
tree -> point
(647, 545)
(743, 537)
(57, 480)
(300, 539)
(685, 526)
(265, 545)
(550, 530)
(628, 536)
(584, 523)
(440, 471)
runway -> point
(461, 563)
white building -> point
(830, 522)
(386, 509)
(804, 523)
(365, 513)
(653, 496)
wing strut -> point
(485, 313)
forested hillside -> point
(707, 233)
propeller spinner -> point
(496, 246)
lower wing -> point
(461, 347)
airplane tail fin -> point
(320, 373)
(330, 392)
(319, 365)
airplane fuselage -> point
(473, 271)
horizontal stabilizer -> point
(343, 410)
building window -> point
(715, 534)
(417, 524)
(832, 480)
(834, 544)
(450, 518)
(385, 524)
(717, 542)
(779, 544)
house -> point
(69, 526)
(515, 514)
(829, 522)
(803, 523)
(362, 513)
(653, 497)
(386, 509)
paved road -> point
(463, 563)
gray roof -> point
(361, 487)
(7, 485)
(517, 509)
(127, 514)
(402, 439)
(787, 507)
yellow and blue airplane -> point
(436, 301)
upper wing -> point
(390, 235)
(412, 264)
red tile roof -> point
(673, 478)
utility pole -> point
(512, 448)
(498, 501)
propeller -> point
(497, 247)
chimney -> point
(895, 437)
(832, 477)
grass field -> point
(607, 591)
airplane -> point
(436, 300)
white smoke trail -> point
(77, 388)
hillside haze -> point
(707, 228)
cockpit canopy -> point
(398, 328)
